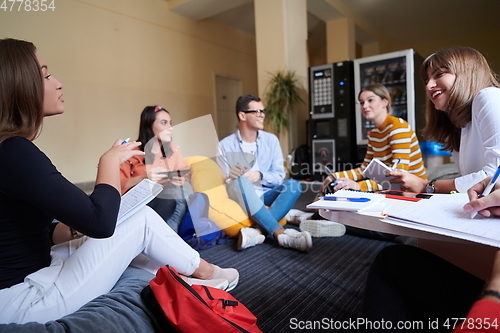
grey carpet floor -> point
(289, 291)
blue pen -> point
(488, 188)
(396, 164)
(332, 198)
(125, 141)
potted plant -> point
(282, 93)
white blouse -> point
(479, 155)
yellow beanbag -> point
(207, 177)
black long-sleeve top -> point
(32, 194)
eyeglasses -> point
(263, 111)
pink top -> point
(135, 166)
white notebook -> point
(376, 171)
(137, 197)
(375, 203)
(444, 214)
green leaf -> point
(281, 94)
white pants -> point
(85, 268)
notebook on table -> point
(346, 202)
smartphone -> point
(402, 195)
(178, 173)
(330, 187)
(329, 172)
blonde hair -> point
(473, 74)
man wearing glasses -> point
(252, 162)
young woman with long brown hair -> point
(39, 282)
(463, 114)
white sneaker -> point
(323, 228)
(230, 274)
(249, 237)
(300, 240)
(295, 216)
(214, 283)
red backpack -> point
(194, 309)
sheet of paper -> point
(444, 214)
(376, 171)
(137, 197)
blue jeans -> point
(280, 200)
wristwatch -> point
(430, 188)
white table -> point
(473, 257)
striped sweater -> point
(394, 139)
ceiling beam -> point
(201, 9)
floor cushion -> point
(207, 177)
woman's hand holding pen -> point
(486, 206)
(123, 151)
(346, 184)
(338, 184)
(108, 169)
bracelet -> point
(74, 233)
(488, 292)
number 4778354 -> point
(27, 5)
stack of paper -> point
(374, 203)
(376, 171)
(444, 214)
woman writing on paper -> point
(162, 163)
(462, 114)
(39, 282)
(407, 283)
(391, 140)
